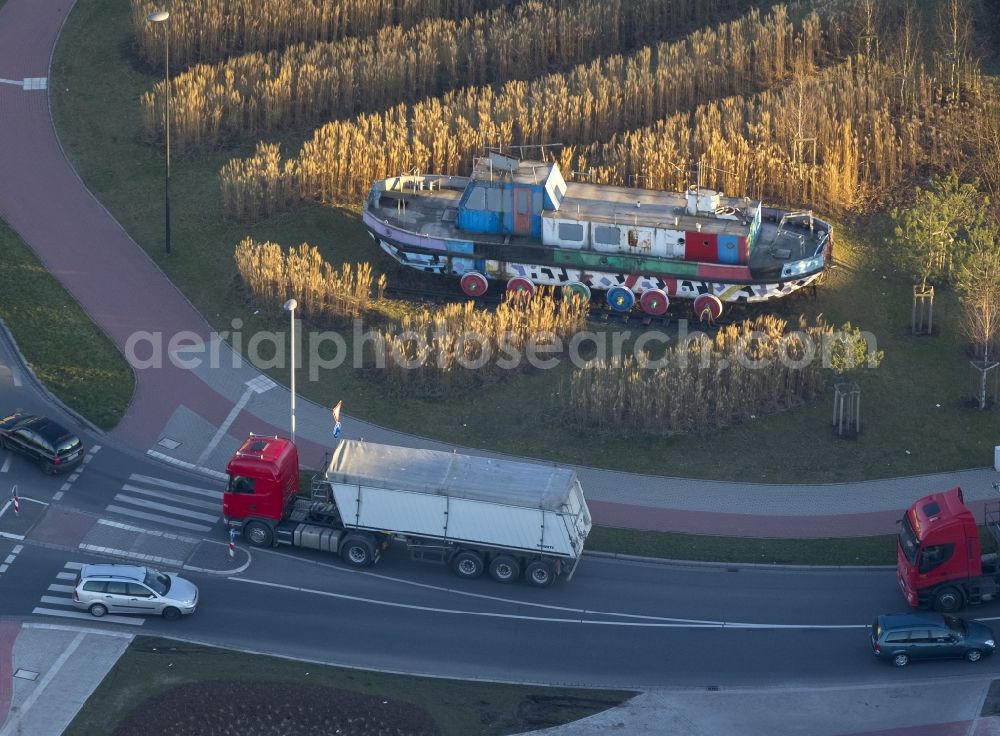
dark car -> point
(46, 442)
(901, 637)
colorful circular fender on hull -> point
(708, 307)
(575, 288)
(473, 283)
(654, 302)
(620, 298)
(521, 287)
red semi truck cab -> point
(939, 560)
(263, 481)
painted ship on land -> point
(521, 224)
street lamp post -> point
(290, 305)
(162, 16)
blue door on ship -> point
(522, 210)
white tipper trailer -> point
(476, 514)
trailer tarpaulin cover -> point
(511, 482)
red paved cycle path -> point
(80, 243)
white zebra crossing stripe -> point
(158, 517)
(149, 480)
(66, 576)
(110, 619)
(214, 505)
(74, 565)
(57, 588)
(56, 600)
(122, 498)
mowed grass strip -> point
(914, 408)
(151, 668)
(65, 349)
(878, 550)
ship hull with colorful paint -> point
(519, 224)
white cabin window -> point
(607, 235)
(493, 199)
(477, 199)
(571, 231)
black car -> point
(901, 637)
(46, 442)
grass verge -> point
(152, 668)
(880, 550)
(65, 349)
(915, 410)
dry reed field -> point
(703, 384)
(461, 346)
(263, 93)
(591, 102)
(799, 104)
(326, 294)
(204, 31)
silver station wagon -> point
(103, 589)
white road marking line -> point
(58, 588)
(666, 624)
(6, 465)
(17, 549)
(10, 559)
(64, 487)
(87, 458)
(57, 496)
(88, 617)
(66, 576)
(123, 498)
(3, 568)
(224, 427)
(189, 466)
(132, 555)
(214, 505)
(72, 478)
(94, 449)
(158, 517)
(53, 600)
(148, 532)
(150, 480)
(482, 596)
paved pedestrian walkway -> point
(964, 707)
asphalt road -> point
(617, 624)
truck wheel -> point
(540, 574)
(948, 600)
(468, 565)
(358, 551)
(258, 534)
(504, 569)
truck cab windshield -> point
(908, 540)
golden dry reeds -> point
(261, 93)
(271, 275)
(746, 370)
(462, 345)
(591, 102)
(205, 31)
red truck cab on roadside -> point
(263, 481)
(939, 560)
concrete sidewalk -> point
(965, 707)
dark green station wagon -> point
(901, 637)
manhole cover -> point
(26, 675)
(169, 443)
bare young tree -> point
(978, 284)
(954, 26)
